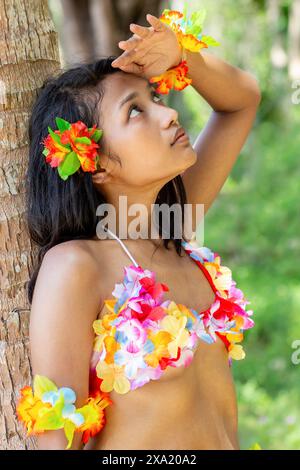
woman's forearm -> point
(223, 86)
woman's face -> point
(139, 131)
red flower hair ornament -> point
(72, 146)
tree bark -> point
(91, 29)
(28, 54)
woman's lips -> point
(182, 138)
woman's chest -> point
(186, 287)
(186, 283)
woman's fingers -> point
(128, 61)
(125, 59)
(131, 43)
(142, 31)
(155, 22)
(120, 60)
(132, 68)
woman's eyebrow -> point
(134, 94)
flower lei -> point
(72, 146)
(142, 333)
(188, 32)
(227, 317)
(50, 408)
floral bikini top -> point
(136, 339)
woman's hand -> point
(150, 51)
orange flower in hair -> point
(71, 147)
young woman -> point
(169, 407)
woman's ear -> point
(101, 176)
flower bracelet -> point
(188, 33)
(51, 408)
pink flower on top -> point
(145, 375)
(134, 335)
(139, 291)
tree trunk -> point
(91, 29)
(29, 53)
(294, 40)
(278, 53)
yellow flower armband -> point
(50, 408)
(188, 33)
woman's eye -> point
(135, 107)
(157, 95)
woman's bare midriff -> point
(192, 407)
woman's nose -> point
(171, 117)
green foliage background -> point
(255, 222)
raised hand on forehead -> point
(150, 51)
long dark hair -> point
(58, 210)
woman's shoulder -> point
(70, 264)
(80, 262)
(75, 255)
(71, 251)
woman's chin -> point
(188, 156)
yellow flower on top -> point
(160, 341)
(221, 275)
(180, 310)
(103, 329)
(113, 378)
(176, 328)
(111, 346)
(236, 351)
(236, 337)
